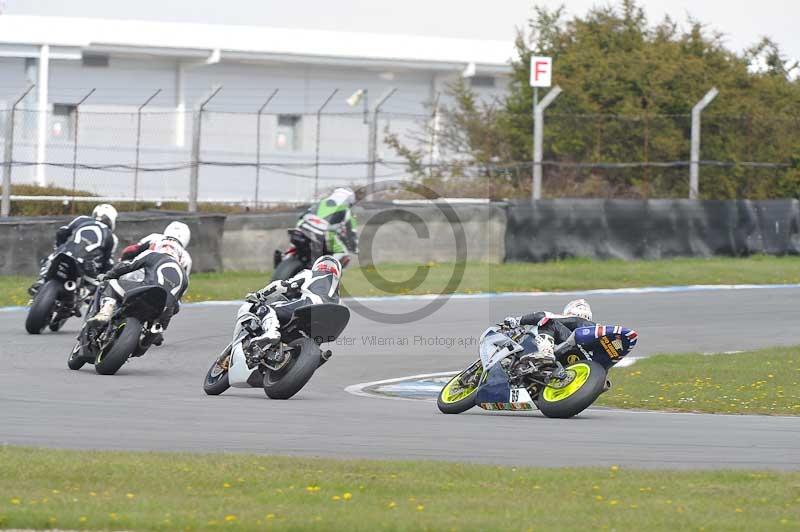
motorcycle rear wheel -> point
(456, 398)
(42, 308)
(286, 382)
(570, 397)
(124, 345)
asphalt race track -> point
(157, 402)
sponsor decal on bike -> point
(507, 406)
(608, 347)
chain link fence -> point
(261, 158)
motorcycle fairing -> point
(606, 345)
(496, 393)
(238, 373)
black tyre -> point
(458, 395)
(287, 269)
(42, 307)
(80, 355)
(289, 380)
(586, 381)
(56, 325)
(124, 345)
(76, 359)
(216, 381)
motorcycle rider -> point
(341, 237)
(96, 232)
(280, 299)
(555, 328)
(164, 261)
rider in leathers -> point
(94, 234)
(556, 331)
(318, 285)
(341, 237)
(163, 262)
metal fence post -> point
(316, 156)
(538, 139)
(434, 133)
(196, 134)
(75, 147)
(139, 145)
(373, 139)
(258, 143)
(694, 163)
(8, 158)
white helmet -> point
(578, 308)
(107, 214)
(343, 196)
(328, 265)
(178, 231)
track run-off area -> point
(157, 402)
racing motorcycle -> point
(307, 245)
(283, 369)
(65, 290)
(131, 331)
(504, 378)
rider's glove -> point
(102, 277)
(252, 297)
(512, 322)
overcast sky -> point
(742, 21)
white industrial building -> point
(127, 62)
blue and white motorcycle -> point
(505, 379)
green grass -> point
(754, 382)
(572, 274)
(161, 491)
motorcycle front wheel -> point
(458, 395)
(216, 380)
(584, 383)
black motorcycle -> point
(306, 247)
(130, 332)
(65, 289)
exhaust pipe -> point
(606, 386)
(70, 286)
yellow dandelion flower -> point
(739, 510)
(347, 496)
(56, 492)
(226, 485)
(336, 498)
(392, 504)
(270, 516)
(15, 501)
(615, 468)
(130, 495)
(420, 507)
(83, 519)
(230, 517)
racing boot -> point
(158, 334)
(104, 314)
(34, 288)
(271, 327)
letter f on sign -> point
(541, 71)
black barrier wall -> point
(654, 229)
(25, 241)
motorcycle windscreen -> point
(495, 346)
(606, 345)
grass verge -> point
(161, 491)
(571, 274)
(754, 382)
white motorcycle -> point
(283, 369)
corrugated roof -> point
(86, 33)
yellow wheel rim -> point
(454, 391)
(577, 376)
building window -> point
(94, 60)
(288, 132)
(62, 124)
(482, 82)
